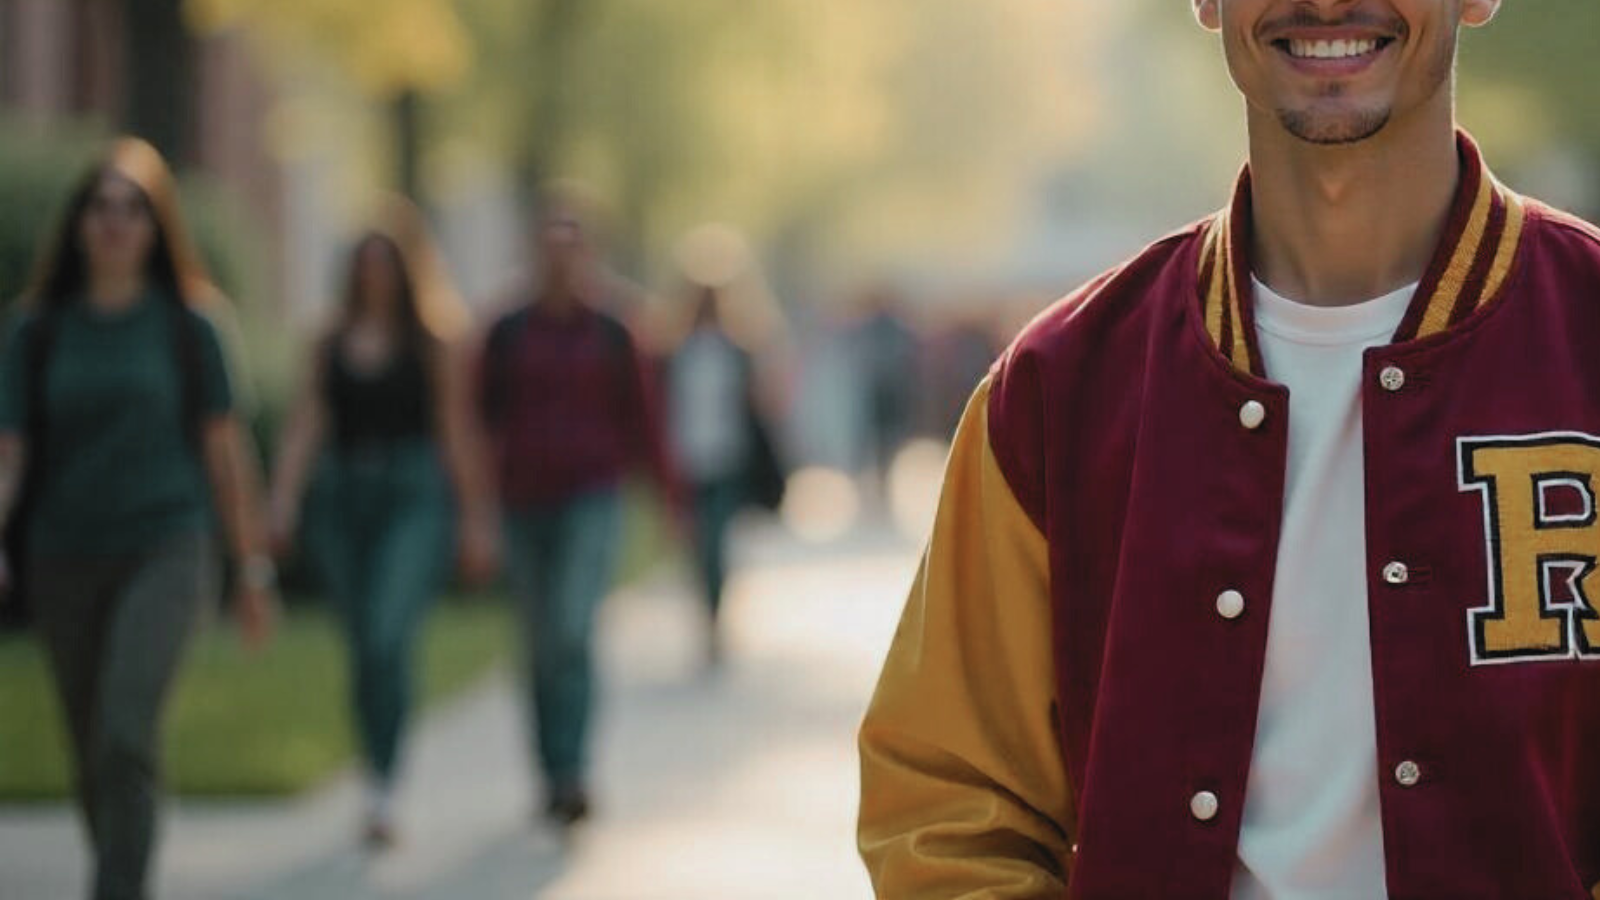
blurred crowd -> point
(422, 446)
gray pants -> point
(115, 628)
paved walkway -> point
(740, 784)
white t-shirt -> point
(1311, 825)
(707, 407)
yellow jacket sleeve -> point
(964, 793)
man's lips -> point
(1331, 51)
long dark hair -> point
(432, 314)
(174, 267)
(414, 335)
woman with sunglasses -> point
(117, 412)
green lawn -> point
(274, 722)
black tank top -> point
(394, 403)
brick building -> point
(66, 59)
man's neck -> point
(1338, 225)
(559, 302)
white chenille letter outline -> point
(1532, 549)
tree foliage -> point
(385, 46)
(815, 123)
(845, 132)
(827, 125)
(1528, 91)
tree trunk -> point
(552, 94)
(159, 56)
(407, 119)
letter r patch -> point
(1543, 543)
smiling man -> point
(1266, 563)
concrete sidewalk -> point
(735, 784)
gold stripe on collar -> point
(1442, 305)
(1223, 317)
(1240, 352)
(1469, 269)
(1212, 259)
(1515, 213)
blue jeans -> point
(715, 504)
(559, 560)
(383, 542)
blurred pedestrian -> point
(115, 401)
(571, 410)
(958, 356)
(720, 439)
(385, 409)
(886, 351)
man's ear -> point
(1476, 13)
(1206, 13)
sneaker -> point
(567, 806)
(379, 834)
(715, 652)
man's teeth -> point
(1331, 49)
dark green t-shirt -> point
(119, 469)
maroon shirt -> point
(569, 404)
(1136, 424)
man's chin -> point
(1326, 129)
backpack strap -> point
(497, 350)
(39, 344)
(185, 334)
(618, 339)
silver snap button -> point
(1407, 774)
(1230, 604)
(1204, 806)
(1392, 378)
(1252, 414)
(1396, 573)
